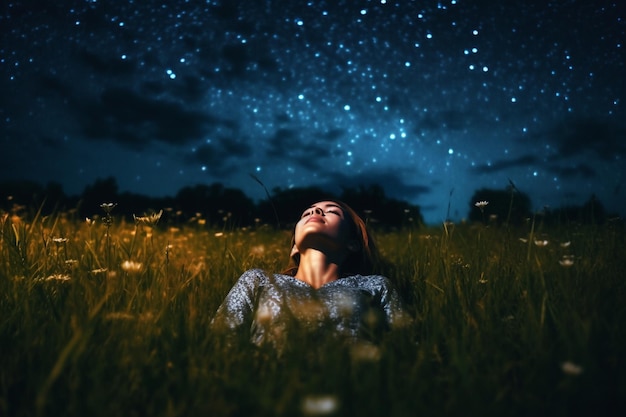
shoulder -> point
(254, 273)
(381, 279)
(250, 280)
(369, 281)
(254, 276)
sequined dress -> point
(266, 307)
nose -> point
(317, 210)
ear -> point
(294, 251)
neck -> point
(317, 269)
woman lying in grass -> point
(328, 290)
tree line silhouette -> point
(219, 205)
(510, 206)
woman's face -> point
(323, 226)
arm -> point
(396, 314)
(236, 311)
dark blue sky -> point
(421, 97)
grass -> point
(112, 318)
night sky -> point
(422, 97)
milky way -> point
(421, 97)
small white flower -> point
(481, 204)
(570, 368)
(151, 219)
(58, 277)
(567, 261)
(320, 405)
(108, 207)
(131, 266)
(566, 244)
(59, 240)
(541, 243)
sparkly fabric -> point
(264, 306)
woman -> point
(327, 290)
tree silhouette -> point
(215, 203)
(102, 191)
(19, 195)
(221, 206)
(372, 203)
(590, 212)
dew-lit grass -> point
(107, 317)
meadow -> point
(111, 317)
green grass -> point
(501, 326)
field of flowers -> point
(110, 317)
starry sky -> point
(430, 99)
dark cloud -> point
(524, 160)
(236, 148)
(152, 88)
(237, 56)
(574, 137)
(104, 65)
(189, 89)
(241, 57)
(226, 10)
(455, 119)
(51, 86)
(236, 59)
(332, 135)
(219, 156)
(282, 118)
(54, 144)
(450, 119)
(605, 140)
(578, 171)
(287, 145)
(135, 121)
(391, 181)
(283, 143)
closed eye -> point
(333, 210)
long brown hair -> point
(364, 261)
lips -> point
(314, 219)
